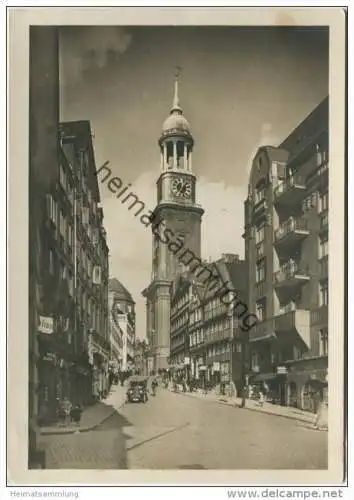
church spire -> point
(176, 106)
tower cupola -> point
(176, 141)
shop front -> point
(54, 385)
(308, 384)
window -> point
(323, 334)
(71, 284)
(62, 271)
(297, 352)
(259, 234)
(62, 223)
(51, 262)
(62, 177)
(260, 271)
(52, 208)
(323, 247)
(323, 293)
(70, 235)
(323, 202)
(261, 309)
(260, 250)
(259, 194)
(254, 361)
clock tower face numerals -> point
(181, 187)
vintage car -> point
(137, 390)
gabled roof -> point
(231, 276)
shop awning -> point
(264, 376)
(314, 377)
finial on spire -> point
(176, 105)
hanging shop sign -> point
(282, 370)
(216, 366)
(46, 325)
(202, 368)
(51, 357)
(186, 361)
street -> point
(175, 431)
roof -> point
(119, 289)
(231, 273)
(176, 122)
(309, 129)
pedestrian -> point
(321, 421)
(76, 414)
(261, 397)
(64, 411)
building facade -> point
(176, 228)
(74, 288)
(140, 357)
(115, 334)
(43, 175)
(207, 340)
(286, 244)
(123, 312)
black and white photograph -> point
(179, 199)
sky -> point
(240, 88)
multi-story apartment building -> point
(206, 336)
(286, 244)
(123, 307)
(43, 174)
(73, 332)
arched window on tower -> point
(169, 147)
(180, 154)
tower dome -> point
(176, 122)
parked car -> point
(137, 390)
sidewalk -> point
(277, 410)
(92, 416)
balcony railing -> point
(290, 274)
(292, 230)
(324, 221)
(290, 190)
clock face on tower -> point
(181, 187)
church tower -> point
(176, 227)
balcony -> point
(290, 276)
(291, 232)
(294, 322)
(262, 331)
(323, 222)
(290, 191)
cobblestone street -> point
(172, 431)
